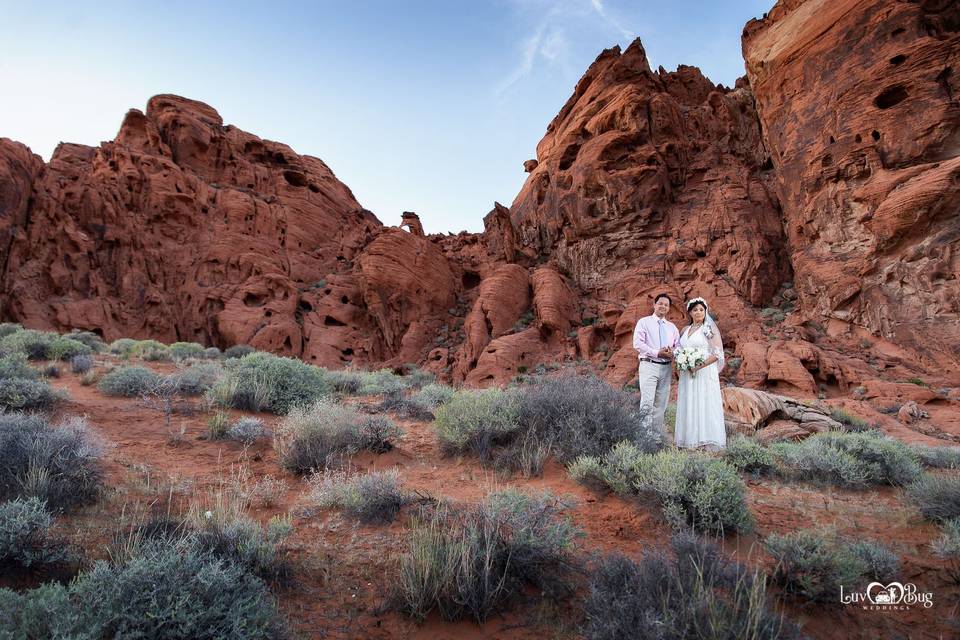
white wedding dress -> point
(699, 400)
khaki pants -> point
(655, 380)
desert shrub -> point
(583, 415)
(472, 562)
(374, 497)
(345, 382)
(51, 370)
(156, 354)
(197, 378)
(748, 455)
(89, 378)
(57, 464)
(123, 347)
(211, 353)
(948, 544)
(7, 328)
(849, 459)
(476, 422)
(265, 382)
(265, 491)
(697, 594)
(404, 407)
(14, 367)
(128, 382)
(88, 338)
(168, 589)
(247, 430)
(814, 566)
(694, 489)
(848, 420)
(64, 348)
(218, 424)
(81, 363)
(25, 538)
(382, 381)
(433, 395)
(314, 437)
(238, 351)
(936, 496)
(184, 350)
(938, 457)
(242, 541)
(31, 343)
(17, 394)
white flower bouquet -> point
(689, 358)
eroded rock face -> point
(654, 181)
(181, 229)
(859, 103)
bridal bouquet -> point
(688, 358)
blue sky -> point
(417, 106)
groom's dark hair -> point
(662, 295)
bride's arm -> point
(715, 348)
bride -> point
(699, 401)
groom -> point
(654, 338)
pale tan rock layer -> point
(813, 204)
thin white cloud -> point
(602, 12)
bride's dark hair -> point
(692, 306)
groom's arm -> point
(640, 342)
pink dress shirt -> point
(651, 333)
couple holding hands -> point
(697, 353)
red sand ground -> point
(346, 570)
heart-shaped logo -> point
(889, 594)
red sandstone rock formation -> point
(811, 205)
(860, 104)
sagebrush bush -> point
(18, 394)
(404, 407)
(156, 354)
(88, 338)
(938, 457)
(472, 562)
(184, 350)
(247, 430)
(196, 379)
(936, 496)
(25, 538)
(128, 382)
(848, 420)
(211, 353)
(51, 370)
(6, 328)
(748, 455)
(476, 422)
(244, 542)
(315, 437)
(520, 428)
(64, 348)
(57, 464)
(813, 565)
(123, 347)
(265, 382)
(696, 594)
(694, 489)
(948, 544)
(31, 343)
(14, 366)
(433, 395)
(169, 589)
(374, 497)
(81, 364)
(238, 351)
(583, 415)
(853, 460)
